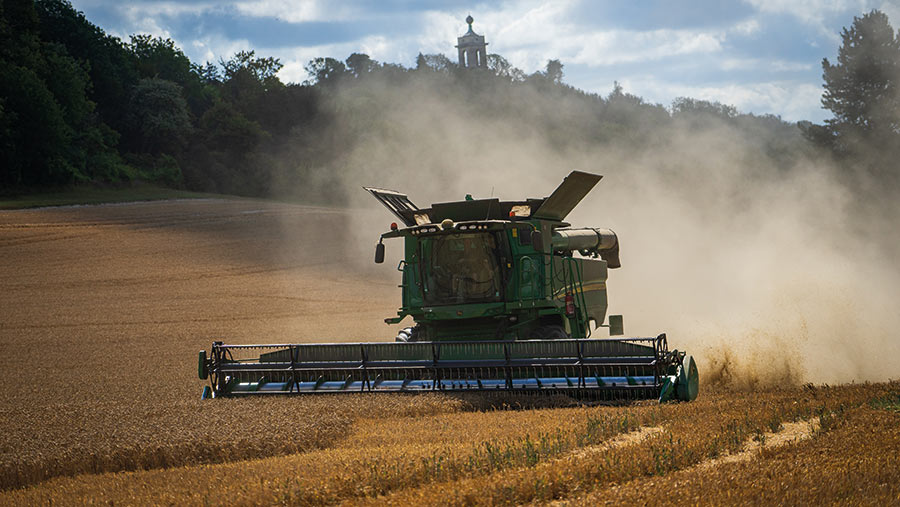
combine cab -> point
(499, 302)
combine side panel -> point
(398, 204)
(567, 195)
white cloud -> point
(792, 100)
(530, 33)
(809, 11)
(213, 47)
(764, 64)
(297, 11)
(168, 8)
(147, 17)
(812, 12)
(892, 9)
(617, 47)
(746, 27)
(295, 58)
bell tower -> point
(472, 48)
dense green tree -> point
(502, 68)
(360, 64)
(156, 57)
(158, 114)
(686, 106)
(209, 73)
(862, 89)
(435, 63)
(110, 67)
(554, 71)
(19, 31)
(54, 133)
(263, 70)
(251, 85)
(325, 71)
(228, 131)
(40, 139)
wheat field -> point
(104, 308)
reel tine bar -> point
(630, 368)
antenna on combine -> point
(489, 204)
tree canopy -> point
(78, 105)
(862, 91)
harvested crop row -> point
(383, 453)
(406, 460)
(694, 432)
(854, 462)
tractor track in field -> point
(630, 438)
(790, 433)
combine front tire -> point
(688, 384)
(408, 334)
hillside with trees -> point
(81, 107)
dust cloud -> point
(768, 271)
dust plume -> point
(739, 241)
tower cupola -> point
(472, 48)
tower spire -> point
(472, 48)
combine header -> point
(500, 303)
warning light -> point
(393, 226)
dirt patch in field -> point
(791, 432)
(631, 438)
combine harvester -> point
(500, 304)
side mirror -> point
(616, 326)
(379, 253)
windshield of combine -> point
(461, 268)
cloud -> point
(298, 11)
(746, 27)
(892, 9)
(814, 13)
(792, 100)
(808, 11)
(765, 65)
(295, 59)
(212, 47)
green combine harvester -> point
(500, 303)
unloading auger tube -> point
(504, 296)
(606, 369)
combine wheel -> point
(550, 332)
(688, 384)
(408, 334)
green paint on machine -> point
(498, 301)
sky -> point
(761, 56)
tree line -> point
(78, 106)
